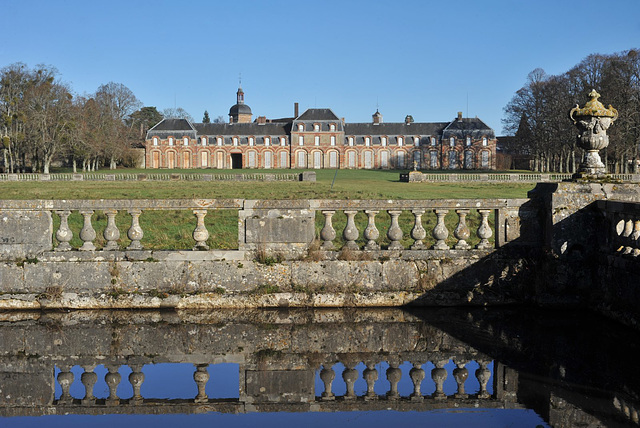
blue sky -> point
(419, 57)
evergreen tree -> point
(206, 119)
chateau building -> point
(317, 139)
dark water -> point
(436, 367)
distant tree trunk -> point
(112, 162)
(75, 166)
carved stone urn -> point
(592, 121)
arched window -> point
(203, 141)
(171, 141)
(186, 141)
(400, 141)
(266, 141)
(452, 141)
(155, 141)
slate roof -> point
(468, 126)
(318, 114)
(398, 128)
(252, 128)
(172, 125)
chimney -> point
(296, 112)
(262, 120)
(459, 115)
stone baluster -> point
(88, 379)
(395, 232)
(111, 232)
(327, 375)
(439, 375)
(619, 238)
(88, 233)
(370, 375)
(64, 233)
(201, 377)
(350, 233)
(440, 231)
(135, 232)
(628, 231)
(418, 233)
(112, 378)
(483, 374)
(350, 376)
(484, 231)
(635, 238)
(371, 233)
(65, 379)
(461, 231)
(417, 375)
(136, 377)
(394, 374)
(200, 233)
(461, 374)
(328, 233)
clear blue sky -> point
(424, 58)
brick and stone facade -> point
(319, 139)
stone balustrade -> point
(623, 223)
(435, 177)
(97, 176)
(287, 226)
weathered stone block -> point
(280, 385)
(25, 233)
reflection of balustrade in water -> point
(430, 376)
(439, 380)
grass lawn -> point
(173, 230)
(349, 184)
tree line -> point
(537, 115)
(42, 121)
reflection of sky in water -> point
(479, 418)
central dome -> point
(239, 109)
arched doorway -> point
(236, 160)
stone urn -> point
(592, 121)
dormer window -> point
(203, 141)
(171, 141)
(383, 141)
(416, 141)
(452, 141)
(367, 141)
(433, 141)
(283, 142)
(300, 127)
(219, 141)
(332, 127)
(235, 141)
(484, 141)
(186, 141)
(266, 141)
(155, 141)
(468, 141)
(351, 141)
(400, 141)
(316, 127)
(251, 141)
